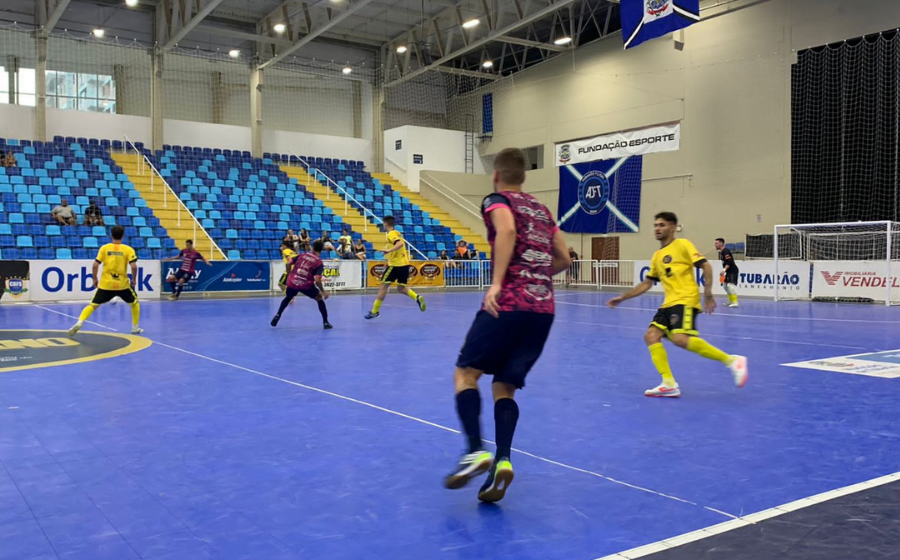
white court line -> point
(408, 417)
(751, 519)
(729, 314)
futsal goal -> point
(843, 262)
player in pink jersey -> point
(305, 277)
(189, 258)
(509, 332)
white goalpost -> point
(848, 261)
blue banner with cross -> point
(600, 196)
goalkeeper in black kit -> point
(729, 276)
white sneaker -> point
(663, 390)
(732, 305)
(136, 330)
(739, 370)
(75, 328)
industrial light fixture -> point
(347, 70)
(131, 3)
(487, 64)
(234, 53)
(401, 49)
(98, 33)
(471, 23)
(563, 41)
(279, 28)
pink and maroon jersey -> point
(306, 267)
(189, 259)
(528, 285)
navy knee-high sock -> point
(323, 310)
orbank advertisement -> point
(223, 276)
(71, 280)
(755, 278)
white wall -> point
(16, 122)
(97, 125)
(205, 135)
(317, 145)
(441, 150)
(729, 87)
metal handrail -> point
(348, 197)
(465, 204)
(145, 161)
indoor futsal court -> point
(226, 438)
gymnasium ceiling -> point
(512, 34)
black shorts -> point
(102, 296)
(311, 293)
(678, 319)
(506, 347)
(731, 276)
(179, 274)
(283, 280)
(398, 274)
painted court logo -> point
(28, 349)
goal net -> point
(844, 262)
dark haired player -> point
(397, 270)
(189, 257)
(673, 265)
(729, 276)
(116, 257)
(305, 277)
(509, 332)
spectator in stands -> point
(7, 160)
(462, 252)
(92, 215)
(305, 242)
(345, 248)
(345, 236)
(327, 242)
(360, 250)
(292, 239)
(65, 214)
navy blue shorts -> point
(179, 274)
(506, 347)
(311, 293)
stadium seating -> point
(245, 204)
(78, 170)
(425, 233)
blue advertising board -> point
(223, 276)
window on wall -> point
(535, 156)
(65, 90)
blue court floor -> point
(229, 439)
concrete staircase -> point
(436, 213)
(352, 214)
(154, 192)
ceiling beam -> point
(188, 26)
(488, 39)
(529, 43)
(235, 34)
(470, 73)
(315, 33)
(57, 13)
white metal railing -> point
(180, 208)
(465, 204)
(347, 198)
(468, 274)
(613, 274)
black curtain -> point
(845, 104)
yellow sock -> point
(87, 312)
(377, 306)
(661, 361)
(411, 293)
(135, 313)
(732, 298)
(707, 350)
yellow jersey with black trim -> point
(287, 255)
(115, 258)
(673, 266)
(400, 257)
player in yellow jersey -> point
(397, 270)
(116, 258)
(287, 255)
(673, 266)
